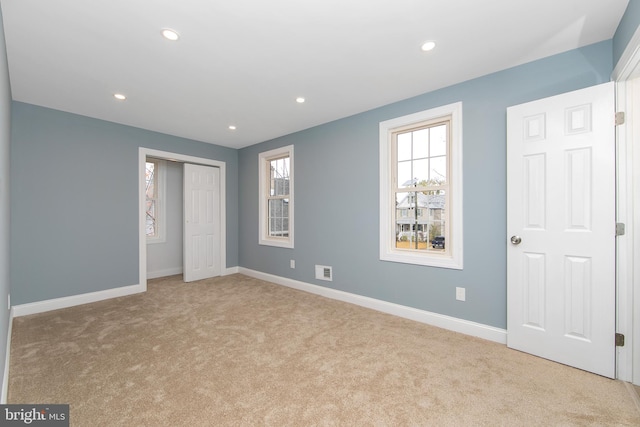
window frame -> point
(264, 179)
(388, 252)
(160, 184)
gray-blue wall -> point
(5, 134)
(74, 194)
(74, 205)
(337, 193)
(626, 29)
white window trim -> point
(263, 158)
(388, 252)
(161, 182)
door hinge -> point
(619, 340)
(620, 229)
(619, 118)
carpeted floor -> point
(236, 351)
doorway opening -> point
(143, 154)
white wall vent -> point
(324, 272)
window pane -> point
(404, 146)
(421, 171)
(420, 143)
(151, 225)
(150, 222)
(404, 174)
(402, 199)
(437, 226)
(406, 219)
(279, 182)
(420, 227)
(438, 140)
(150, 179)
(278, 217)
(438, 170)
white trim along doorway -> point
(142, 238)
(626, 75)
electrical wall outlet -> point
(292, 263)
(460, 294)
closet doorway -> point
(213, 248)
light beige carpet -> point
(236, 351)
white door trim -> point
(625, 244)
(142, 155)
(627, 283)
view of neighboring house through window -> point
(154, 191)
(276, 197)
(421, 193)
(421, 188)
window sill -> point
(444, 261)
(280, 243)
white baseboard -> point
(70, 301)
(64, 302)
(164, 273)
(446, 322)
(5, 376)
(179, 270)
(231, 270)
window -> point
(154, 190)
(276, 197)
(421, 188)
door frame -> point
(166, 155)
(626, 75)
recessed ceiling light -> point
(119, 96)
(232, 127)
(170, 34)
(300, 100)
(427, 46)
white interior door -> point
(561, 226)
(201, 222)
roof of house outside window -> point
(431, 201)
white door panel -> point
(561, 203)
(201, 222)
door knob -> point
(516, 240)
